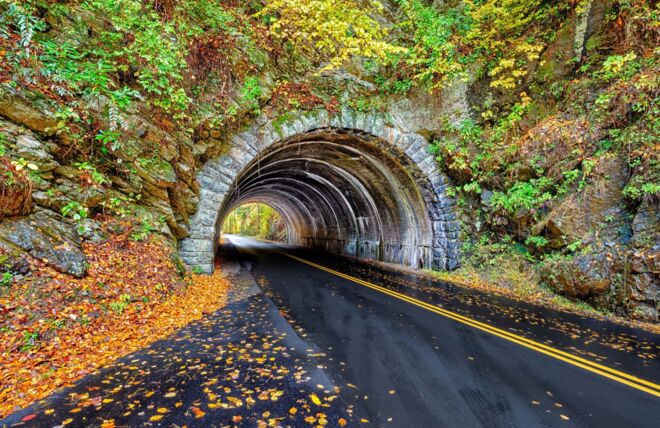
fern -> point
(19, 15)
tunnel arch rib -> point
(348, 183)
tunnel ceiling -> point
(342, 190)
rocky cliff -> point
(558, 172)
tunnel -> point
(339, 189)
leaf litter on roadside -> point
(56, 328)
(231, 367)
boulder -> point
(626, 282)
(584, 276)
(45, 237)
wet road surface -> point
(341, 353)
(408, 367)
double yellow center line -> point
(618, 376)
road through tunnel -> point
(338, 189)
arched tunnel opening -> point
(345, 192)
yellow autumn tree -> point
(330, 31)
(498, 28)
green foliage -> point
(393, 86)
(501, 37)
(206, 16)
(3, 147)
(523, 195)
(258, 220)
(29, 341)
(197, 270)
(437, 39)
(143, 231)
(160, 58)
(75, 210)
(120, 305)
(251, 93)
(121, 206)
(109, 140)
(638, 192)
(97, 177)
(21, 16)
(6, 279)
(536, 241)
(620, 67)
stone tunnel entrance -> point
(372, 191)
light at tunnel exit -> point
(256, 220)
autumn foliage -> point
(55, 329)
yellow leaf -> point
(198, 413)
(163, 410)
(315, 399)
(156, 418)
(293, 410)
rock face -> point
(594, 213)
(624, 281)
(45, 237)
(32, 113)
(548, 146)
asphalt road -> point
(310, 339)
(405, 366)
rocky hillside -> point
(544, 114)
